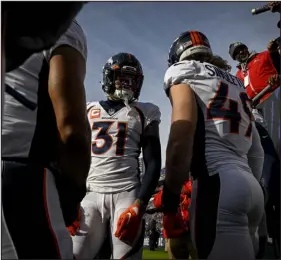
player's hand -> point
(273, 79)
(185, 202)
(70, 196)
(157, 199)
(272, 46)
(274, 6)
(173, 225)
(167, 201)
(187, 188)
(75, 226)
(128, 224)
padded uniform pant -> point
(225, 212)
(33, 214)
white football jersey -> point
(27, 112)
(116, 143)
(224, 126)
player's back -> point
(116, 143)
(224, 116)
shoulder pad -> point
(150, 111)
(90, 105)
(73, 37)
(178, 73)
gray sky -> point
(147, 30)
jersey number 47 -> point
(217, 111)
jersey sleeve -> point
(90, 105)
(151, 113)
(73, 37)
(181, 72)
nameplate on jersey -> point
(94, 113)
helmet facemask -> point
(123, 84)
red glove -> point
(184, 200)
(128, 225)
(157, 201)
(75, 226)
(173, 225)
(187, 188)
(184, 208)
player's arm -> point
(180, 142)
(66, 88)
(130, 220)
(177, 85)
(256, 154)
(151, 148)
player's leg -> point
(181, 247)
(90, 237)
(257, 226)
(178, 247)
(262, 233)
(8, 250)
(32, 212)
(219, 214)
(166, 244)
(105, 251)
(191, 248)
(121, 201)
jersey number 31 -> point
(217, 111)
(103, 128)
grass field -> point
(159, 253)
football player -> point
(212, 135)
(121, 128)
(45, 147)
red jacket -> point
(259, 69)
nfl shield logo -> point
(111, 111)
